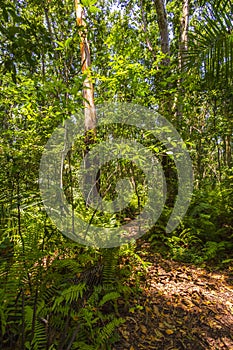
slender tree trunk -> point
(183, 48)
(184, 27)
(166, 103)
(163, 28)
(228, 150)
(144, 23)
(88, 95)
(88, 89)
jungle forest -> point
(138, 94)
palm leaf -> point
(211, 44)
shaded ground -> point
(180, 307)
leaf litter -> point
(178, 306)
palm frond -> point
(211, 44)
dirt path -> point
(180, 307)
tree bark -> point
(88, 97)
(228, 150)
(184, 27)
(88, 89)
(163, 28)
(183, 48)
(144, 23)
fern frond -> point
(110, 264)
(73, 293)
(40, 337)
(108, 330)
(109, 297)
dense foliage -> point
(55, 293)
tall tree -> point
(88, 89)
(163, 28)
(184, 28)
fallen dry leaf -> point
(143, 329)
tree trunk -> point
(183, 47)
(166, 105)
(88, 95)
(228, 150)
(184, 27)
(88, 89)
(163, 29)
(144, 23)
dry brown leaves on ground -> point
(180, 307)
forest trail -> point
(180, 306)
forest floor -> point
(180, 306)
